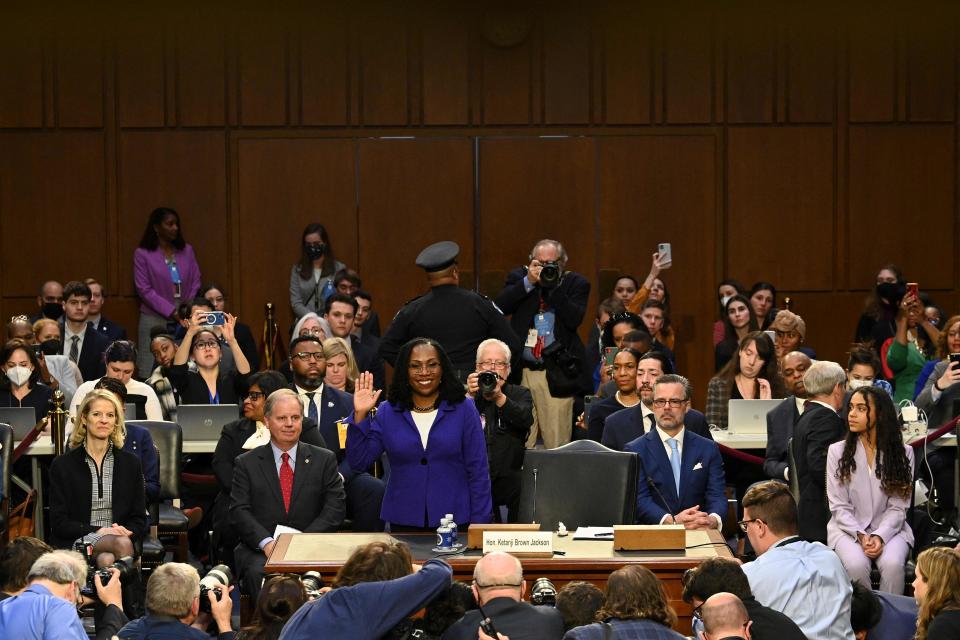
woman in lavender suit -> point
(166, 273)
(869, 477)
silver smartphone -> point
(665, 252)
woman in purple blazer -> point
(869, 478)
(166, 273)
(433, 438)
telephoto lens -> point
(218, 581)
(543, 592)
(487, 381)
(549, 275)
(124, 565)
(312, 583)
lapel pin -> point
(329, 404)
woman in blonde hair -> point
(937, 590)
(342, 371)
(96, 488)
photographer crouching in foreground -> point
(174, 607)
(506, 413)
(377, 588)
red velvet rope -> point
(930, 437)
(28, 440)
(740, 455)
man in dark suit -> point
(680, 472)
(366, 323)
(285, 482)
(626, 425)
(818, 428)
(326, 407)
(340, 311)
(506, 414)
(105, 326)
(498, 587)
(547, 306)
(83, 344)
(782, 419)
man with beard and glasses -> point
(328, 408)
(629, 424)
(784, 417)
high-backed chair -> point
(582, 483)
(6, 458)
(169, 520)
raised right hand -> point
(364, 396)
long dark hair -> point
(279, 599)
(892, 465)
(400, 393)
(766, 352)
(736, 284)
(765, 286)
(876, 308)
(729, 333)
(306, 263)
(8, 348)
(150, 241)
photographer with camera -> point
(498, 586)
(547, 304)
(506, 413)
(181, 606)
(46, 608)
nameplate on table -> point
(647, 537)
(523, 544)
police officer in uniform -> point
(456, 318)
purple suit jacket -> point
(860, 505)
(154, 285)
(450, 476)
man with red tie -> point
(286, 482)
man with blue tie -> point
(681, 474)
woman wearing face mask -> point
(626, 396)
(763, 301)
(342, 372)
(166, 273)
(877, 322)
(937, 591)
(21, 386)
(725, 292)
(311, 280)
(905, 353)
(207, 385)
(751, 375)
(869, 480)
(738, 322)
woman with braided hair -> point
(869, 478)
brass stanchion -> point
(58, 422)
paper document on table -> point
(284, 529)
(593, 533)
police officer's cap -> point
(438, 256)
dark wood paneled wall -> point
(802, 146)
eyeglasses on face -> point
(675, 403)
(206, 345)
(493, 364)
(304, 356)
(255, 395)
(743, 524)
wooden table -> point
(589, 560)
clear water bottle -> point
(453, 528)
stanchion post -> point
(58, 422)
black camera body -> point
(125, 566)
(312, 583)
(550, 274)
(217, 581)
(487, 381)
(543, 593)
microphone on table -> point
(653, 486)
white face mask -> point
(19, 375)
(724, 300)
(857, 384)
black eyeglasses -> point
(743, 524)
(317, 356)
(256, 395)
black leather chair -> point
(792, 466)
(582, 483)
(170, 522)
(6, 458)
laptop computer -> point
(205, 421)
(22, 419)
(130, 411)
(749, 417)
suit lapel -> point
(663, 470)
(304, 458)
(269, 468)
(689, 457)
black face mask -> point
(891, 291)
(52, 310)
(316, 251)
(50, 347)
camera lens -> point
(487, 381)
(543, 592)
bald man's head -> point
(724, 616)
(498, 575)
